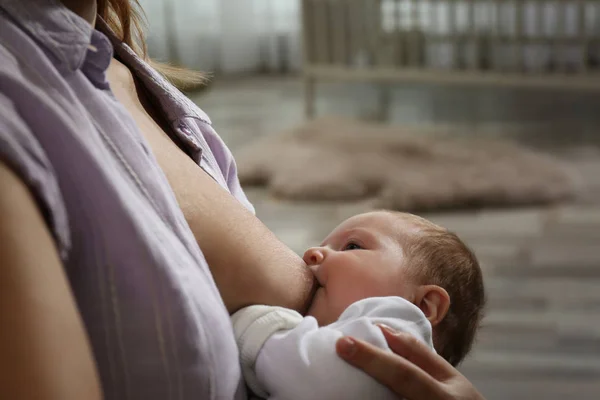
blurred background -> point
(519, 78)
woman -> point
(109, 181)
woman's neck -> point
(86, 9)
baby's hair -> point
(439, 257)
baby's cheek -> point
(343, 300)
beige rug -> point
(404, 169)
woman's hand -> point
(414, 372)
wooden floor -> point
(541, 335)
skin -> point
(86, 9)
(364, 257)
(44, 348)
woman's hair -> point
(126, 19)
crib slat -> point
(497, 43)
(351, 43)
(473, 36)
(409, 33)
(308, 41)
(366, 28)
(433, 32)
(595, 39)
(359, 26)
(415, 18)
(321, 32)
(558, 48)
(369, 29)
(486, 42)
(376, 28)
(398, 42)
(519, 44)
(444, 34)
(309, 59)
(536, 21)
(593, 42)
(338, 34)
(454, 39)
(414, 35)
(535, 31)
(548, 38)
(583, 36)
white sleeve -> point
(302, 363)
(252, 327)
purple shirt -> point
(158, 327)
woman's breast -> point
(191, 184)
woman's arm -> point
(43, 345)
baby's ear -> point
(434, 301)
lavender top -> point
(158, 327)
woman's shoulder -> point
(23, 153)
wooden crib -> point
(521, 43)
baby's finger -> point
(402, 377)
(418, 353)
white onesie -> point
(286, 356)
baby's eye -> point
(352, 246)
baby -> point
(382, 267)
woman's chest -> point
(175, 162)
(201, 195)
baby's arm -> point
(301, 363)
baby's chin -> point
(319, 308)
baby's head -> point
(386, 253)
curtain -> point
(225, 36)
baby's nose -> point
(314, 256)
